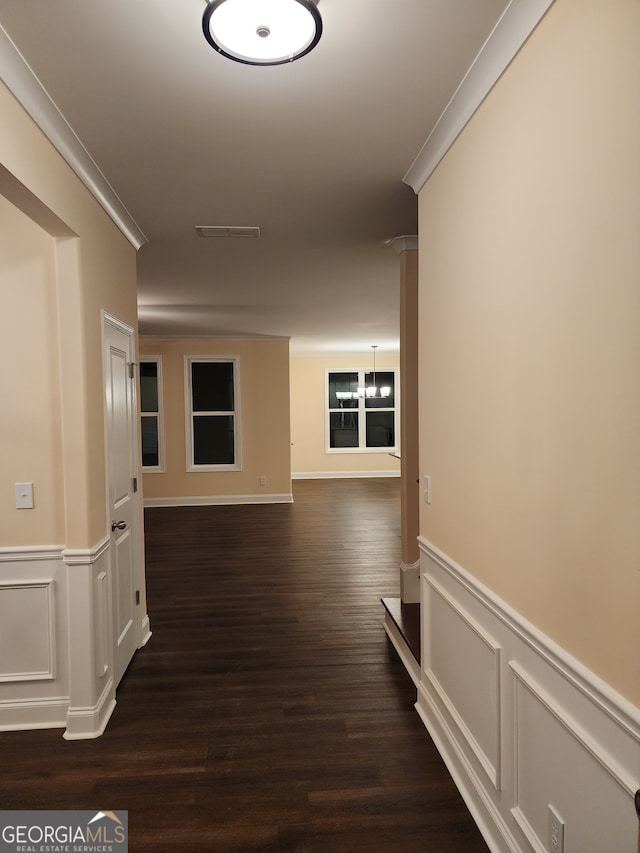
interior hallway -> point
(268, 711)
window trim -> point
(362, 412)
(189, 414)
(159, 468)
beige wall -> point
(94, 270)
(31, 441)
(264, 402)
(308, 417)
(530, 338)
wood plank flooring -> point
(268, 712)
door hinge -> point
(137, 596)
(135, 484)
(132, 369)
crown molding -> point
(22, 82)
(405, 243)
(516, 24)
(240, 337)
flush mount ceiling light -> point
(262, 32)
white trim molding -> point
(85, 556)
(91, 641)
(30, 554)
(20, 79)
(56, 658)
(518, 721)
(27, 714)
(29, 607)
(516, 24)
(410, 582)
(405, 243)
(341, 475)
(34, 685)
(457, 688)
(191, 414)
(219, 500)
(158, 414)
(145, 631)
(88, 722)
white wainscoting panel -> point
(465, 675)
(56, 655)
(28, 644)
(548, 744)
(521, 724)
(34, 671)
(92, 687)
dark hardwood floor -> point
(268, 712)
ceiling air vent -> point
(228, 230)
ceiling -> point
(313, 153)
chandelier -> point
(373, 390)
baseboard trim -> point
(145, 632)
(494, 830)
(89, 723)
(28, 714)
(341, 475)
(219, 500)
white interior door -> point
(121, 453)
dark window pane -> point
(343, 429)
(212, 386)
(150, 454)
(148, 386)
(343, 390)
(385, 385)
(213, 442)
(380, 431)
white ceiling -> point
(313, 153)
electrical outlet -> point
(556, 831)
(263, 481)
(426, 480)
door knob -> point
(118, 525)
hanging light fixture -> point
(262, 32)
(373, 390)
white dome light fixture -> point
(262, 32)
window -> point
(212, 411)
(358, 420)
(150, 412)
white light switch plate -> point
(24, 495)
